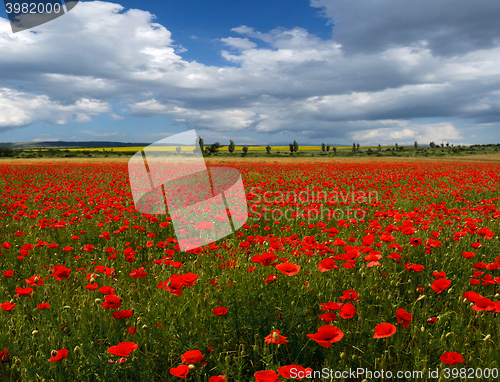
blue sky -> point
(257, 72)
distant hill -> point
(69, 145)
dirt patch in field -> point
(483, 158)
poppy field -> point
(340, 267)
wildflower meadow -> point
(341, 270)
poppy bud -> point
(276, 336)
(191, 367)
(144, 327)
(53, 353)
(17, 361)
(354, 357)
(36, 279)
(92, 280)
(448, 334)
(77, 351)
(421, 297)
(97, 300)
(228, 358)
(487, 337)
(422, 329)
(343, 356)
(34, 332)
(66, 307)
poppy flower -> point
(440, 285)
(288, 269)
(137, 274)
(468, 255)
(270, 279)
(43, 305)
(192, 356)
(331, 306)
(451, 358)
(266, 376)
(275, 338)
(123, 349)
(219, 311)
(6, 245)
(204, 226)
(327, 335)
(23, 292)
(7, 306)
(180, 371)
(60, 272)
(122, 314)
(295, 372)
(8, 273)
(349, 294)
(328, 317)
(60, 354)
(327, 264)
(217, 378)
(403, 317)
(111, 301)
(347, 311)
(107, 290)
(4, 356)
(132, 330)
(432, 320)
(35, 280)
(384, 330)
(189, 279)
(91, 286)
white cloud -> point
(292, 81)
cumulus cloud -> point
(387, 67)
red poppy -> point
(333, 306)
(288, 269)
(6, 245)
(122, 314)
(4, 356)
(132, 330)
(347, 311)
(111, 301)
(327, 264)
(327, 335)
(7, 306)
(468, 255)
(451, 358)
(23, 292)
(191, 357)
(403, 317)
(60, 272)
(35, 280)
(8, 273)
(180, 371)
(275, 338)
(91, 286)
(107, 290)
(217, 378)
(43, 305)
(219, 311)
(384, 330)
(137, 274)
(295, 372)
(189, 279)
(266, 376)
(59, 355)
(349, 294)
(123, 349)
(440, 285)
(328, 317)
(204, 226)
(270, 279)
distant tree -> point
(415, 145)
(295, 146)
(357, 147)
(245, 149)
(328, 147)
(397, 147)
(214, 148)
(432, 145)
(268, 149)
(379, 148)
(447, 144)
(354, 147)
(200, 144)
(334, 150)
(231, 146)
(291, 147)
(178, 149)
(323, 147)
